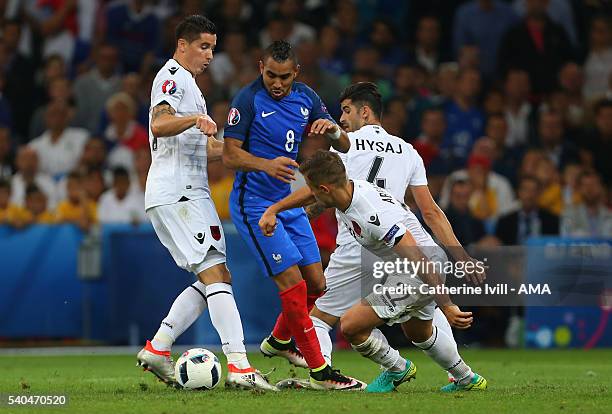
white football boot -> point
(159, 363)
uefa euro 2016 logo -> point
(233, 117)
(169, 87)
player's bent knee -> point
(331, 320)
(417, 330)
(215, 274)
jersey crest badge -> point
(305, 112)
(233, 117)
(215, 232)
(169, 87)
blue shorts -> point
(293, 241)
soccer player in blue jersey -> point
(264, 128)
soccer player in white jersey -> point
(389, 230)
(390, 163)
(177, 200)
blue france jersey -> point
(270, 128)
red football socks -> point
(281, 331)
(295, 311)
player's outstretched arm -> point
(234, 157)
(440, 226)
(299, 198)
(165, 123)
(332, 131)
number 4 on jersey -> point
(374, 169)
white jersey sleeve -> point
(418, 175)
(170, 87)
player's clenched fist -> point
(282, 168)
(206, 125)
(456, 318)
(267, 223)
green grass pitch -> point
(519, 382)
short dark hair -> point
(191, 27)
(364, 93)
(280, 51)
(324, 167)
(531, 178)
(120, 172)
(602, 104)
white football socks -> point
(322, 329)
(226, 320)
(443, 350)
(186, 308)
(441, 322)
(377, 349)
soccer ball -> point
(198, 369)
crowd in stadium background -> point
(508, 103)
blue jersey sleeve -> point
(319, 110)
(240, 115)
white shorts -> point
(348, 280)
(343, 277)
(192, 232)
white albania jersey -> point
(376, 219)
(384, 160)
(179, 163)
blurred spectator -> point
(559, 11)
(506, 160)
(221, 182)
(8, 211)
(133, 28)
(492, 194)
(465, 120)
(28, 174)
(571, 173)
(212, 93)
(142, 162)
(58, 89)
(427, 52)
(233, 15)
(330, 56)
(445, 82)
(551, 134)
(36, 210)
(118, 204)
(365, 61)
(59, 148)
(519, 112)
(123, 135)
(133, 85)
(530, 220)
(394, 121)
(598, 65)
(346, 19)
(406, 89)
(469, 57)
(483, 23)
(54, 68)
(591, 218)
(94, 155)
(77, 209)
(94, 87)
(6, 112)
(383, 37)
(225, 68)
(55, 23)
(571, 80)
(94, 184)
(284, 24)
(467, 228)
(311, 74)
(494, 102)
(599, 141)
(19, 75)
(530, 161)
(550, 196)
(6, 154)
(536, 44)
(433, 126)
